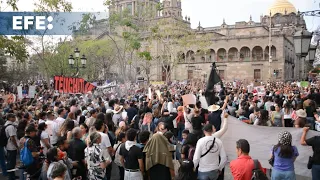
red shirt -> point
(242, 167)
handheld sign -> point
(189, 99)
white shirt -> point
(187, 121)
(41, 121)
(44, 135)
(210, 161)
(11, 131)
(60, 121)
(268, 104)
(52, 131)
(105, 141)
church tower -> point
(172, 8)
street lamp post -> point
(74, 61)
(312, 53)
(302, 40)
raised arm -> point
(303, 137)
(225, 103)
(224, 127)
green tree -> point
(44, 49)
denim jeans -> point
(11, 159)
(210, 175)
(282, 175)
(3, 162)
(180, 128)
(315, 172)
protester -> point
(131, 157)
(54, 157)
(27, 141)
(186, 171)
(158, 157)
(241, 168)
(121, 140)
(76, 153)
(284, 155)
(12, 145)
(207, 153)
(44, 137)
(314, 161)
(97, 158)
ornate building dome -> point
(282, 7)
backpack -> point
(26, 155)
(3, 136)
(191, 153)
(257, 173)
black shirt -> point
(315, 143)
(131, 113)
(215, 119)
(197, 122)
(131, 157)
(76, 150)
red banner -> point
(72, 85)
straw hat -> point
(213, 108)
(301, 113)
(117, 109)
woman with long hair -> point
(44, 137)
(277, 117)
(263, 119)
(284, 155)
(54, 157)
(66, 129)
(72, 116)
(186, 171)
(97, 159)
(85, 131)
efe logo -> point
(23, 22)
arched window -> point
(200, 56)
(245, 54)
(222, 54)
(257, 53)
(233, 54)
(273, 52)
(190, 56)
(211, 55)
(181, 57)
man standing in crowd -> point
(105, 141)
(207, 154)
(60, 120)
(12, 145)
(76, 153)
(52, 128)
(242, 167)
(33, 169)
(131, 157)
(92, 119)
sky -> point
(209, 12)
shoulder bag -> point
(271, 160)
(212, 145)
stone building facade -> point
(241, 51)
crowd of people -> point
(59, 136)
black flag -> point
(214, 78)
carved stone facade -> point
(241, 51)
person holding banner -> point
(284, 155)
(314, 161)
